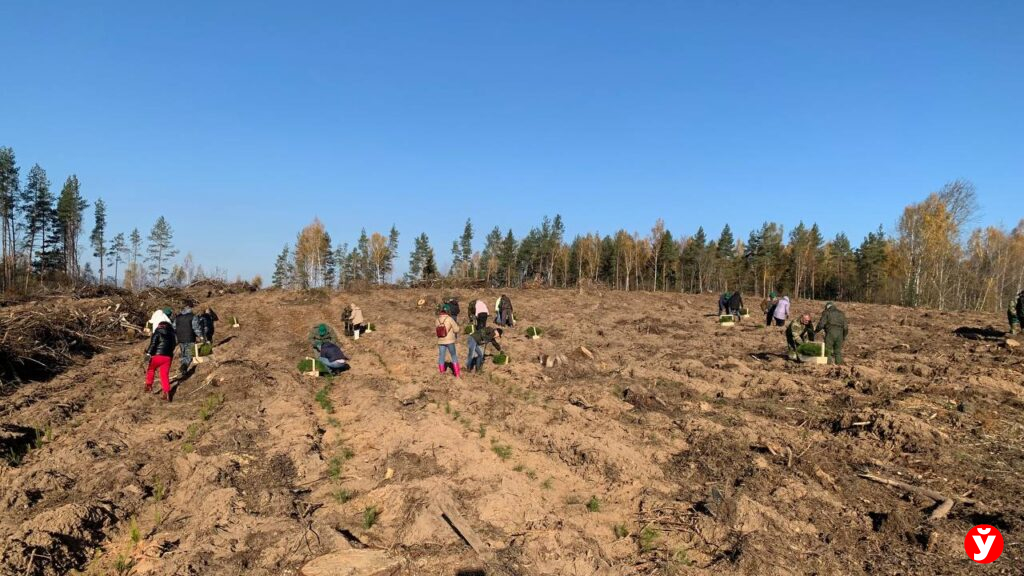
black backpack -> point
(453, 307)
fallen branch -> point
(927, 493)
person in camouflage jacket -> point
(833, 324)
(802, 329)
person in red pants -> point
(159, 356)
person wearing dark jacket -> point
(186, 335)
(332, 356)
(723, 303)
(205, 325)
(504, 313)
(159, 355)
(735, 304)
(478, 342)
(833, 324)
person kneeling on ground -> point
(159, 355)
(478, 342)
(806, 334)
(332, 356)
(447, 331)
(833, 324)
(781, 312)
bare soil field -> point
(679, 447)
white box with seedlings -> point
(726, 320)
(812, 353)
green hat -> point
(167, 310)
(322, 329)
(771, 294)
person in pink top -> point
(480, 311)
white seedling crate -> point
(722, 320)
(821, 359)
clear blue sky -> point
(241, 121)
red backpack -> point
(441, 330)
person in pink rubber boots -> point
(447, 332)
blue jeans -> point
(451, 351)
(186, 353)
(476, 353)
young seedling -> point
(593, 505)
(342, 496)
(504, 451)
(648, 539)
(133, 531)
(323, 398)
(370, 517)
(547, 483)
(123, 566)
(334, 466)
(620, 531)
(482, 431)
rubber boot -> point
(440, 368)
(458, 371)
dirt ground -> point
(681, 447)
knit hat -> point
(771, 294)
(167, 310)
(322, 329)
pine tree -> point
(135, 241)
(341, 261)
(118, 252)
(160, 249)
(466, 249)
(389, 264)
(456, 259)
(36, 208)
(507, 259)
(97, 237)
(9, 193)
(330, 266)
(362, 259)
(70, 206)
(282, 269)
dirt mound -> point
(658, 443)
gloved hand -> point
(146, 360)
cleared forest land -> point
(679, 447)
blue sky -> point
(241, 121)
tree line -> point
(42, 233)
(932, 259)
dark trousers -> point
(481, 320)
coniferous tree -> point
(507, 259)
(160, 249)
(37, 210)
(9, 193)
(135, 241)
(389, 264)
(466, 249)
(283, 269)
(118, 253)
(330, 265)
(97, 238)
(70, 206)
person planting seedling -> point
(805, 325)
(833, 324)
(322, 333)
(332, 356)
(478, 342)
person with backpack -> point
(159, 356)
(446, 330)
(478, 342)
(833, 324)
(504, 315)
(480, 312)
(185, 332)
